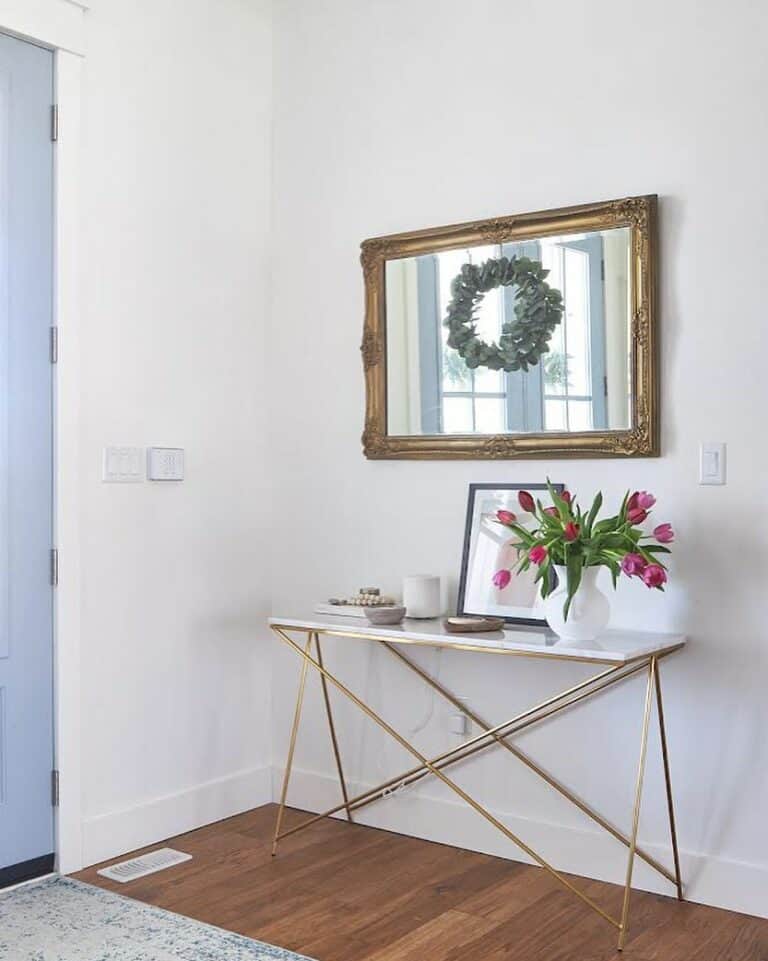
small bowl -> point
(385, 615)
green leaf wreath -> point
(538, 310)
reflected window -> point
(564, 392)
(574, 379)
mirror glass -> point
(578, 373)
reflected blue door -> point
(26, 604)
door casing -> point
(60, 25)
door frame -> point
(60, 25)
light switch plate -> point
(712, 463)
(165, 463)
(123, 465)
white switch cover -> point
(123, 465)
(712, 463)
(165, 463)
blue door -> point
(26, 608)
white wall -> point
(409, 114)
(175, 213)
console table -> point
(619, 654)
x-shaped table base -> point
(500, 735)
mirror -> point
(580, 381)
(528, 335)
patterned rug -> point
(63, 920)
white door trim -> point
(60, 24)
(57, 24)
(66, 465)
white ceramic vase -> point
(589, 612)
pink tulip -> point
(654, 575)
(502, 578)
(636, 515)
(552, 511)
(567, 496)
(506, 517)
(633, 565)
(538, 554)
(664, 533)
(571, 531)
(641, 499)
(527, 503)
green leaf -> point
(525, 536)
(643, 552)
(574, 569)
(609, 524)
(623, 508)
(562, 508)
(518, 546)
(597, 503)
(615, 540)
(547, 578)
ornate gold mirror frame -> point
(640, 440)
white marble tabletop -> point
(612, 647)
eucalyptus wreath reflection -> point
(538, 309)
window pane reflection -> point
(490, 415)
(457, 415)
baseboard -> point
(119, 832)
(16, 874)
(720, 882)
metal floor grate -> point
(146, 864)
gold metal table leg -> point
(489, 737)
(529, 763)
(292, 745)
(546, 709)
(668, 784)
(638, 799)
(331, 727)
(472, 746)
(468, 799)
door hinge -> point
(54, 122)
(55, 788)
(54, 567)
(54, 345)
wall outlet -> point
(459, 724)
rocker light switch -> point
(165, 463)
(123, 465)
(712, 463)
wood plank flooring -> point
(340, 892)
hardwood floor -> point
(340, 892)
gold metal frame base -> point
(489, 736)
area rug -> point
(63, 920)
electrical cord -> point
(429, 713)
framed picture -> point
(488, 548)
